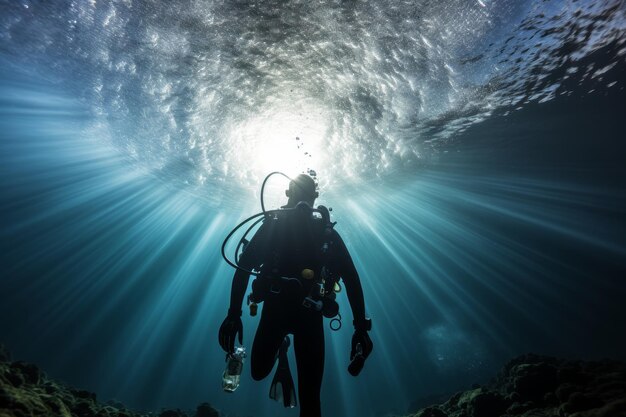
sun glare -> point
(285, 138)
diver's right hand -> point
(230, 328)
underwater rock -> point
(538, 386)
(534, 381)
(488, 404)
(172, 413)
(26, 391)
(205, 410)
(431, 412)
(428, 400)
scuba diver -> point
(298, 258)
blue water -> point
(473, 153)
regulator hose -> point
(264, 214)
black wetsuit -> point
(284, 247)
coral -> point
(527, 386)
(540, 386)
(26, 391)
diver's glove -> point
(361, 346)
(230, 328)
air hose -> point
(263, 214)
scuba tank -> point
(316, 284)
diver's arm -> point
(238, 291)
(361, 343)
(232, 327)
(355, 293)
(251, 257)
(352, 282)
(355, 297)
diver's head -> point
(301, 188)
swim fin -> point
(282, 387)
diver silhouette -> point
(301, 258)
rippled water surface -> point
(208, 92)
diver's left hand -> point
(360, 337)
(361, 348)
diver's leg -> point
(269, 336)
(309, 349)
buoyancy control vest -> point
(297, 260)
